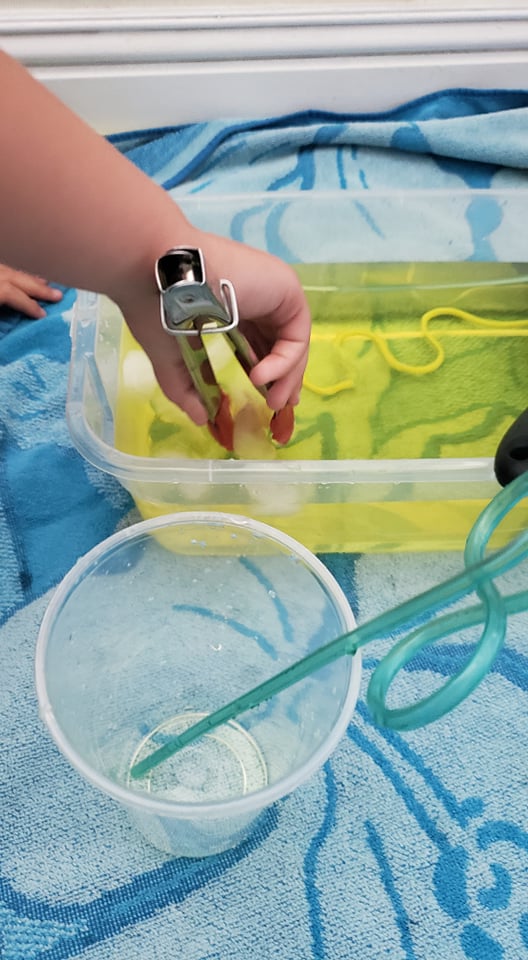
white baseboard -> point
(129, 72)
(132, 97)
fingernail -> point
(282, 424)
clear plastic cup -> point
(168, 620)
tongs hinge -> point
(187, 302)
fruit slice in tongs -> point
(191, 310)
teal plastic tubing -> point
(492, 612)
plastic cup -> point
(164, 622)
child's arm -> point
(75, 210)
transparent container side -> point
(370, 225)
(386, 491)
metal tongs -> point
(190, 309)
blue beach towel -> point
(413, 847)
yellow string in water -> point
(332, 390)
(381, 340)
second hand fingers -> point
(37, 288)
(19, 300)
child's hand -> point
(110, 223)
(21, 291)
(274, 316)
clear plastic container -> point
(168, 620)
(417, 367)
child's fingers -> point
(170, 370)
(12, 296)
(20, 291)
(36, 287)
(173, 378)
(282, 371)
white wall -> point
(127, 64)
(40, 6)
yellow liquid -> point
(380, 385)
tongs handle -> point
(511, 458)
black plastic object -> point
(511, 459)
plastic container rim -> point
(275, 196)
(130, 468)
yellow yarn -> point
(494, 328)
